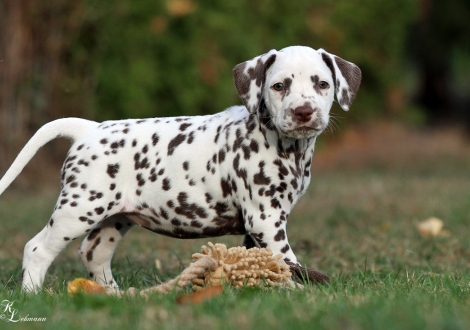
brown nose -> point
(303, 113)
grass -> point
(357, 223)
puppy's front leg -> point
(264, 232)
(268, 229)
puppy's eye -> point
(278, 87)
(323, 85)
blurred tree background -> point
(112, 59)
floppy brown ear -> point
(250, 77)
(346, 77)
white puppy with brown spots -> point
(238, 172)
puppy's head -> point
(298, 85)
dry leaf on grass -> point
(430, 227)
(200, 296)
(84, 285)
(158, 264)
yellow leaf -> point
(84, 285)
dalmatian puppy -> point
(237, 172)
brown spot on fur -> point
(260, 178)
(155, 139)
(184, 126)
(175, 143)
(280, 236)
(166, 184)
(285, 248)
(112, 170)
(93, 234)
(189, 210)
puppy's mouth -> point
(307, 129)
(303, 132)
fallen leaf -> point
(430, 227)
(200, 296)
(158, 264)
(84, 285)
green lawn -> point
(357, 223)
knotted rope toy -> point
(237, 266)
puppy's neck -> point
(273, 138)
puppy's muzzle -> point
(303, 114)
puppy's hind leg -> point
(29, 252)
(40, 251)
(97, 250)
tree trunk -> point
(15, 69)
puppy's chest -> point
(283, 180)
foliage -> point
(159, 58)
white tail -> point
(72, 128)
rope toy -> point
(237, 266)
